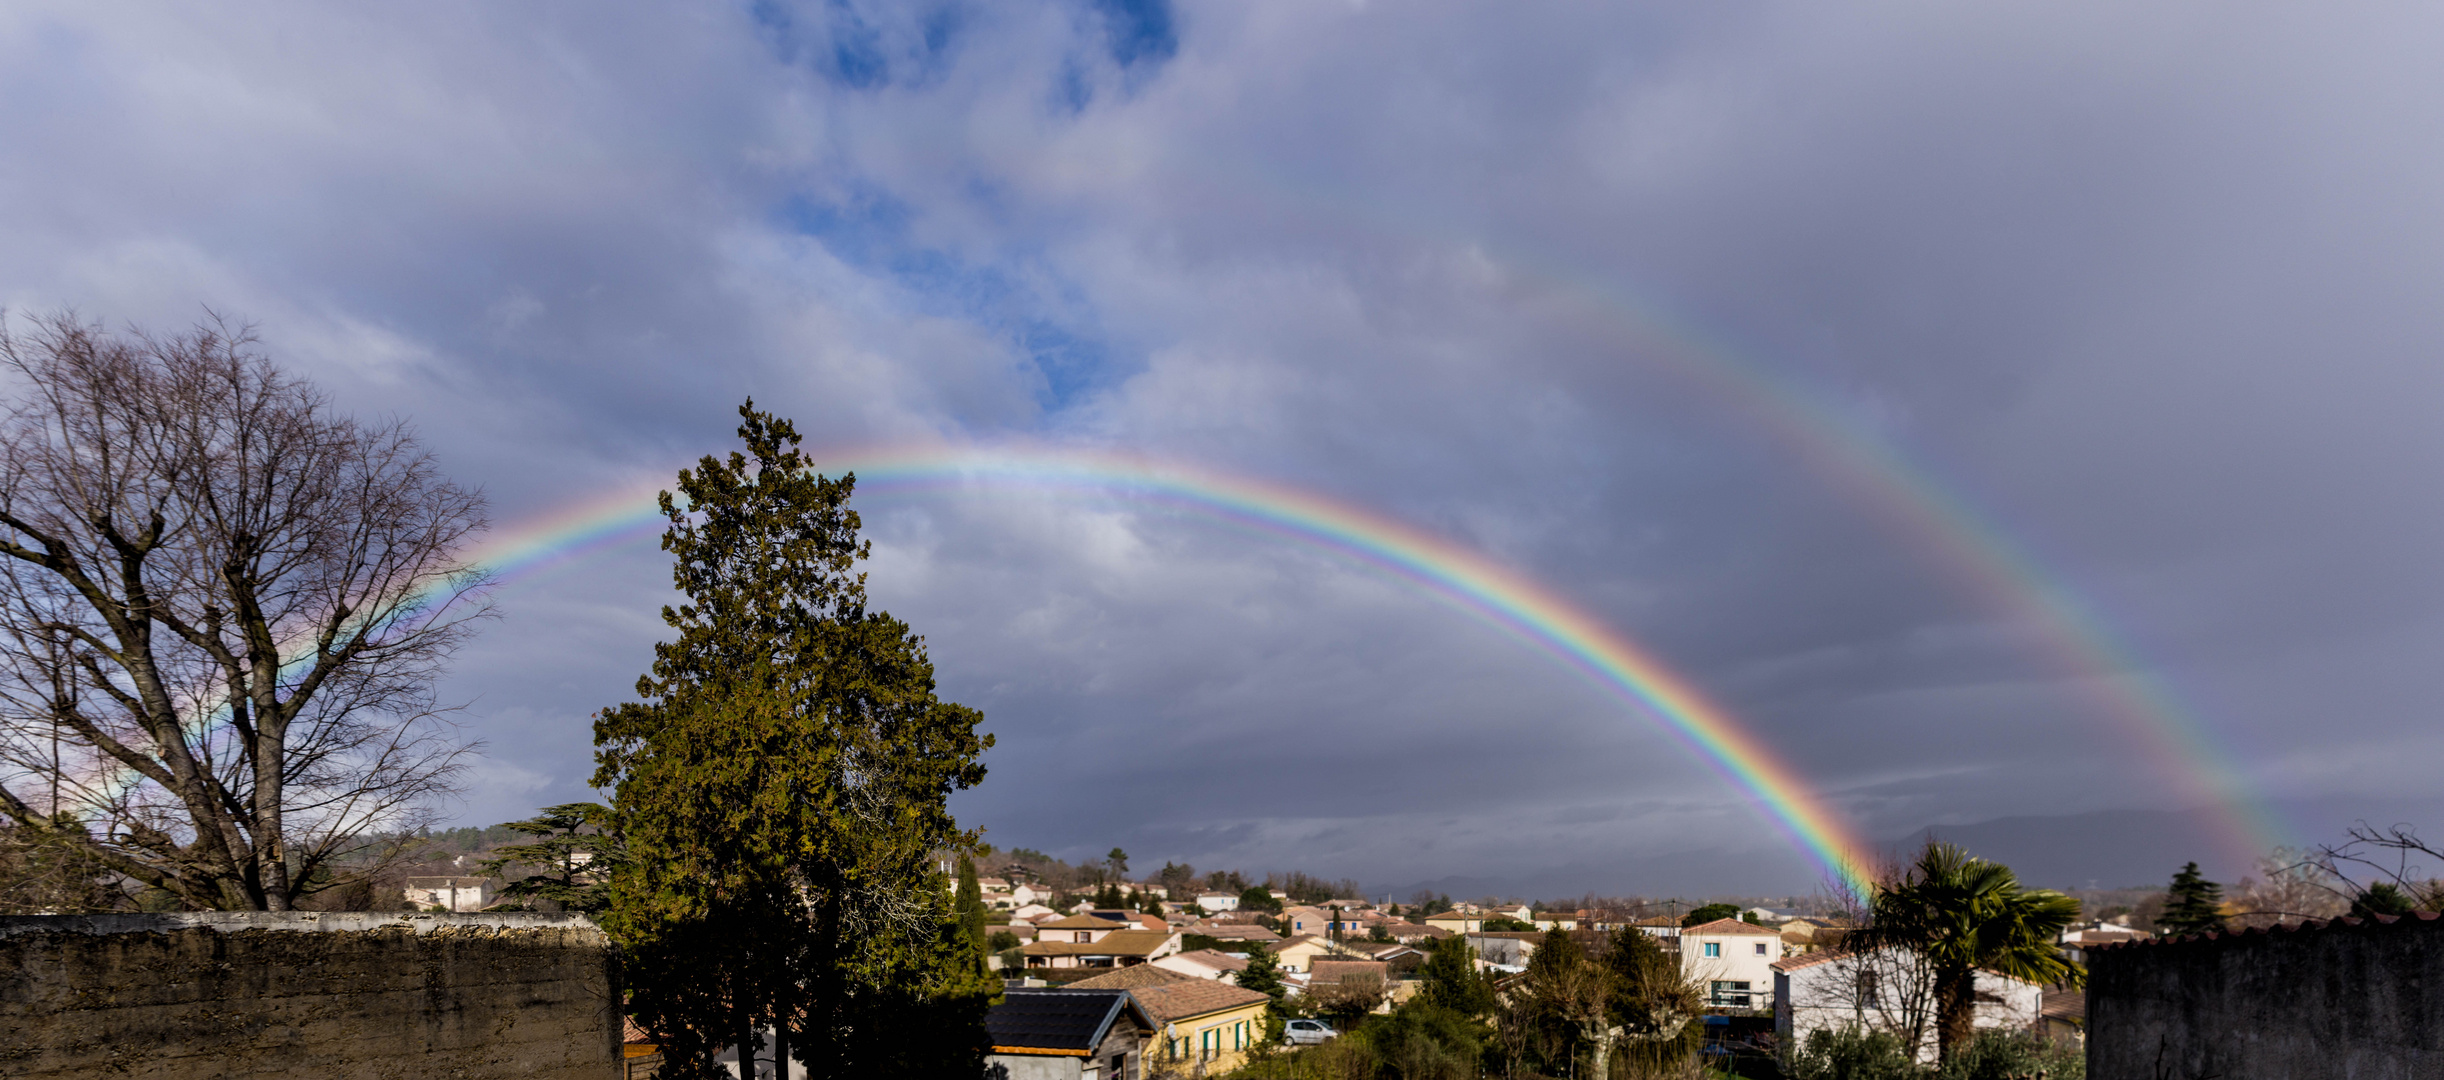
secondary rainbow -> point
(1464, 579)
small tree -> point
(2193, 905)
(1710, 913)
(1449, 979)
(968, 905)
(576, 851)
(1347, 1001)
(1960, 914)
(1259, 898)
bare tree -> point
(223, 607)
(2290, 886)
(2391, 856)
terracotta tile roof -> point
(1730, 926)
(1215, 958)
(1196, 997)
(1333, 971)
(2064, 1005)
(1235, 932)
(1794, 963)
(1080, 922)
(1132, 977)
(1116, 943)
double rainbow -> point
(1519, 606)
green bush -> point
(1851, 1053)
(2016, 1055)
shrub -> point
(1851, 1053)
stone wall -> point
(2346, 998)
(329, 995)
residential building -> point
(1069, 1035)
(1547, 920)
(1206, 1027)
(1321, 971)
(1217, 901)
(1235, 931)
(1505, 949)
(1661, 926)
(1111, 948)
(1079, 928)
(1298, 952)
(1733, 961)
(1885, 990)
(1457, 921)
(451, 893)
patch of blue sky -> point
(1045, 319)
(859, 46)
(1138, 31)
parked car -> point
(1307, 1032)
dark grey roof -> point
(1054, 1019)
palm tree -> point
(1960, 914)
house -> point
(1217, 901)
(1456, 921)
(1206, 1027)
(1110, 948)
(1409, 933)
(1660, 926)
(1547, 920)
(452, 893)
(1068, 1035)
(1733, 960)
(1031, 912)
(1298, 952)
(2062, 1015)
(1885, 990)
(1247, 932)
(1507, 949)
(1308, 919)
(1079, 928)
(1204, 964)
(639, 1055)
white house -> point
(453, 893)
(1733, 960)
(1217, 901)
(1886, 990)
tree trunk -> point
(1955, 1010)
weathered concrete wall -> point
(329, 995)
(2344, 999)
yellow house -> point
(1203, 1027)
(1299, 952)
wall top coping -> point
(2305, 926)
(308, 922)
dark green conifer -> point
(2193, 905)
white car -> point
(1307, 1032)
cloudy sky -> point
(1762, 331)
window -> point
(1728, 995)
(1760, 948)
(1714, 948)
(1084, 936)
(1867, 987)
(1118, 1063)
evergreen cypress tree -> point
(782, 787)
(2193, 905)
(970, 906)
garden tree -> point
(1349, 1000)
(2381, 898)
(1258, 898)
(1118, 861)
(1653, 1000)
(782, 788)
(54, 872)
(969, 907)
(1504, 924)
(223, 607)
(1573, 996)
(576, 851)
(1449, 979)
(1960, 914)
(2193, 905)
(1710, 913)
(1179, 881)
(1263, 975)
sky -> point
(2006, 411)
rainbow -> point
(2144, 713)
(1517, 605)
